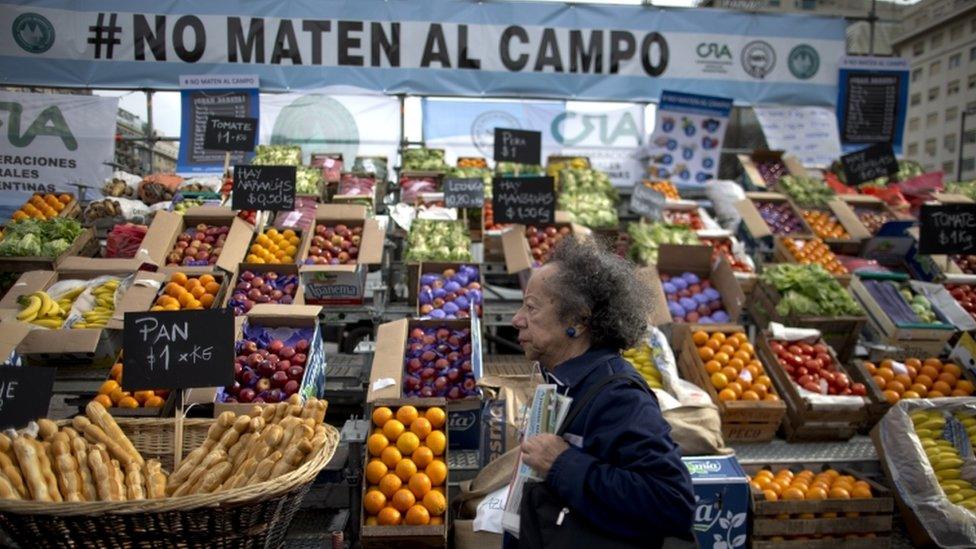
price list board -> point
(871, 111)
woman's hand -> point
(540, 451)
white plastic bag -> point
(724, 194)
(490, 511)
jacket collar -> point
(571, 372)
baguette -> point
(257, 425)
(281, 412)
(6, 444)
(79, 449)
(30, 465)
(155, 480)
(239, 449)
(292, 458)
(243, 472)
(7, 490)
(134, 483)
(100, 417)
(268, 412)
(66, 468)
(9, 468)
(116, 480)
(212, 459)
(263, 471)
(187, 466)
(95, 435)
(213, 479)
(47, 471)
(46, 429)
(98, 463)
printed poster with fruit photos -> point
(687, 138)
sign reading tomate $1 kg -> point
(264, 188)
(526, 200)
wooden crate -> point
(874, 516)
(840, 332)
(879, 404)
(805, 421)
(742, 421)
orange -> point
(964, 385)
(107, 387)
(402, 500)
(116, 372)
(419, 484)
(735, 387)
(699, 338)
(947, 378)
(793, 494)
(405, 469)
(206, 301)
(727, 349)
(816, 493)
(388, 517)
(172, 307)
(389, 484)
(713, 344)
(391, 456)
(929, 371)
(128, 402)
(721, 357)
(719, 380)
(879, 381)
(381, 415)
(750, 395)
(727, 394)
(174, 289)
(959, 393)
(437, 442)
(142, 396)
(861, 491)
(771, 397)
(770, 495)
(736, 363)
(436, 521)
(926, 380)
(730, 372)
(437, 472)
(435, 503)
(839, 493)
(104, 400)
(212, 288)
(952, 369)
(892, 397)
(436, 417)
(178, 278)
(117, 395)
(896, 386)
(198, 291)
(712, 367)
(917, 388)
(417, 516)
(904, 380)
(393, 429)
(422, 456)
(705, 353)
(942, 387)
(375, 470)
(374, 502)
(154, 401)
(186, 298)
(718, 336)
(934, 394)
(65, 198)
(376, 444)
(407, 442)
(206, 279)
(421, 427)
(886, 374)
(933, 362)
(371, 521)
(406, 414)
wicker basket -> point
(252, 516)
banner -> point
(687, 138)
(204, 96)
(48, 142)
(321, 122)
(872, 101)
(809, 133)
(449, 47)
(610, 137)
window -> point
(935, 68)
(971, 82)
(931, 119)
(808, 4)
(912, 149)
(916, 98)
(930, 146)
(916, 74)
(972, 54)
(913, 124)
(956, 32)
(949, 142)
(933, 94)
(951, 113)
(954, 60)
(968, 164)
(936, 40)
(952, 88)
(947, 167)
(918, 48)
(971, 106)
(969, 136)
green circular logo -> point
(33, 32)
(804, 61)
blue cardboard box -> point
(721, 501)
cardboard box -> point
(278, 316)
(95, 346)
(303, 236)
(234, 249)
(751, 178)
(342, 284)
(721, 500)
(85, 244)
(151, 254)
(416, 271)
(11, 334)
(928, 339)
(675, 259)
(221, 278)
(281, 270)
(391, 345)
(754, 231)
(859, 201)
(515, 246)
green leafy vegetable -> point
(434, 240)
(808, 192)
(33, 238)
(809, 290)
(645, 238)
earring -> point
(571, 332)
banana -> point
(955, 498)
(948, 474)
(48, 306)
(73, 294)
(947, 463)
(79, 325)
(30, 310)
(48, 322)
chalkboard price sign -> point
(523, 200)
(645, 201)
(264, 188)
(468, 192)
(25, 394)
(226, 133)
(870, 163)
(947, 229)
(521, 146)
(178, 350)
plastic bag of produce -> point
(903, 439)
(87, 300)
(123, 240)
(724, 194)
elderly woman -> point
(615, 470)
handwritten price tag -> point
(264, 188)
(25, 393)
(521, 146)
(527, 200)
(226, 133)
(947, 229)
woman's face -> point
(541, 332)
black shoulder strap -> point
(578, 406)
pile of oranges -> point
(406, 472)
(807, 485)
(733, 369)
(43, 206)
(187, 293)
(916, 378)
(825, 224)
(274, 248)
(812, 251)
(110, 394)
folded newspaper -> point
(548, 411)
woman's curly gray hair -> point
(601, 291)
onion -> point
(437, 313)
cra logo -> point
(49, 122)
(33, 32)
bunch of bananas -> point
(40, 309)
(104, 307)
(944, 458)
(642, 359)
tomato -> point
(813, 364)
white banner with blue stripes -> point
(443, 47)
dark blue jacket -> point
(627, 477)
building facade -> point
(133, 155)
(938, 37)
